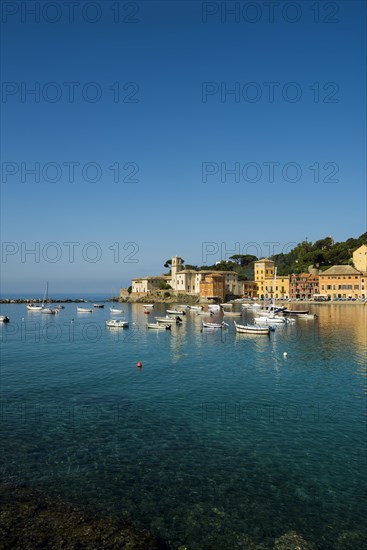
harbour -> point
(217, 438)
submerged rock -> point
(30, 521)
(292, 541)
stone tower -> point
(175, 268)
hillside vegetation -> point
(321, 254)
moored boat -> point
(159, 326)
(169, 320)
(251, 306)
(34, 307)
(84, 310)
(232, 314)
(48, 310)
(214, 325)
(270, 320)
(252, 329)
(296, 311)
(4, 319)
(100, 306)
(117, 323)
(312, 316)
(116, 311)
(175, 312)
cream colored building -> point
(147, 284)
(360, 258)
(186, 281)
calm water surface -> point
(216, 442)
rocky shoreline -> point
(31, 521)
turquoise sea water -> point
(218, 441)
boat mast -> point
(274, 287)
(45, 295)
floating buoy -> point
(139, 364)
(285, 354)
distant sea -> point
(89, 296)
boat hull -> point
(117, 324)
(169, 320)
(159, 326)
(269, 321)
(252, 329)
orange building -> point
(212, 286)
(342, 281)
(247, 289)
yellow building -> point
(213, 286)
(265, 288)
(264, 271)
(263, 268)
(360, 258)
(343, 281)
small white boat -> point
(195, 308)
(175, 312)
(159, 326)
(34, 307)
(48, 310)
(149, 306)
(116, 311)
(84, 310)
(169, 320)
(214, 307)
(296, 312)
(228, 306)
(252, 329)
(232, 314)
(117, 323)
(204, 312)
(312, 316)
(214, 325)
(270, 320)
(100, 306)
(252, 306)
(4, 319)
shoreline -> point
(189, 299)
(56, 301)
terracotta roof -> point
(152, 277)
(341, 270)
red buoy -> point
(139, 364)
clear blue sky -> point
(150, 96)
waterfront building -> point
(247, 289)
(303, 285)
(264, 270)
(343, 281)
(187, 281)
(213, 286)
